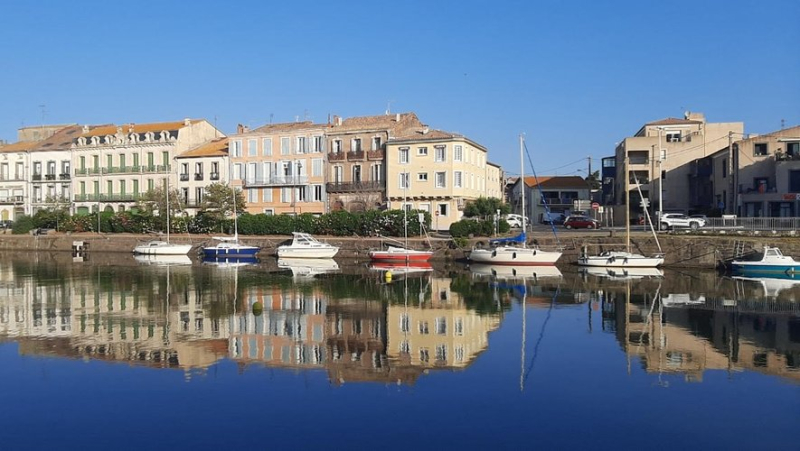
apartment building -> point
(660, 157)
(495, 180)
(35, 171)
(357, 159)
(436, 171)
(280, 167)
(200, 167)
(115, 164)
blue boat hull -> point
(766, 269)
(230, 252)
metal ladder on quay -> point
(738, 249)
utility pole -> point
(731, 186)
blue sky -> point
(575, 76)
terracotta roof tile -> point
(383, 121)
(557, 181)
(215, 148)
(111, 129)
(61, 140)
(286, 126)
(674, 121)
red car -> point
(581, 222)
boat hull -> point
(760, 268)
(162, 249)
(621, 260)
(316, 252)
(229, 252)
(394, 257)
(515, 256)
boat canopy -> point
(514, 239)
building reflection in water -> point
(742, 327)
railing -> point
(639, 160)
(751, 224)
(11, 200)
(345, 187)
(155, 169)
(64, 176)
(112, 197)
(121, 170)
(198, 176)
(355, 155)
(86, 171)
(37, 177)
(336, 156)
(375, 154)
(49, 176)
(558, 201)
(749, 189)
(184, 178)
(108, 170)
(287, 180)
(214, 176)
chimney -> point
(85, 129)
(131, 127)
(239, 128)
(425, 130)
(397, 117)
(337, 121)
(187, 121)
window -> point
(236, 149)
(376, 172)
(316, 167)
(456, 179)
(317, 193)
(404, 180)
(441, 153)
(286, 194)
(424, 357)
(441, 179)
(237, 171)
(663, 155)
(286, 144)
(673, 136)
(266, 143)
(423, 328)
(185, 168)
(316, 144)
(793, 149)
(357, 173)
(198, 168)
(458, 154)
(376, 143)
(794, 181)
(405, 320)
(252, 195)
(459, 326)
(301, 144)
(441, 353)
(760, 149)
(422, 151)
(422, 176)
(442, 209)
(269, 211)
(724, 167)
(337, 174)
(337, 146)
(355, 145)
(404, 155)
(252, 147)
(301, 194)
(266, 195)
(441, 325)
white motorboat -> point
(623, 273)
(306, 246)
(770, 261)
(515, 251)
(513, 272)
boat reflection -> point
(771, 286)
(623, 273)
(512, 272)
(402, 268)
(308, 267)
(230, 262)
(162, 260)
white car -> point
(515, 221)
(672, 220)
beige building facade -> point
(280, 168)
(438, 172)
(200, 167)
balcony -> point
(86, 171)
(336, 156)
(37, 177)
(356, 155)
(351, 187)
(121, 170)
(639, 161)
(560, 201)
(108, 197)
(288, 180)
(155, 169)
(49, 177)
(198, 176)
(64, 176)
(214, 176)
(11, 200)
(184, 177)
(376, 154)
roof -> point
(790, 133)
(674, 121)
(383, 121)
(60, 140)
(286, 126)
(214, 148)
(111, 129)
(494, 164)
(557, 181)
(424, 134)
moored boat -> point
(399, 254)
(230, 247)
(306, 246)
(770, 260)
(158, 247)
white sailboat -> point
(159, 247)
(515, 251)
(626, 258)
(231, 247)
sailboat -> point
(397, 252)
(626, 258)
(159, 247)
(515, 251)
(230, 247)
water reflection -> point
(358, 327)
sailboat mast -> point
(627, 209)
(522, 185)
(235, 216)
(166, 190)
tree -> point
(485, 207)
(218, 201)
(155, 202)
(594, 181)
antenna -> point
(389, 107)
(783, 124)
(270, 118)
(44, 111)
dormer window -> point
(133, 137)
(95, 140)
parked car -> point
(515, 221)
(581, 222)
(680, 220)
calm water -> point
(112, 353)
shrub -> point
(23, 224)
